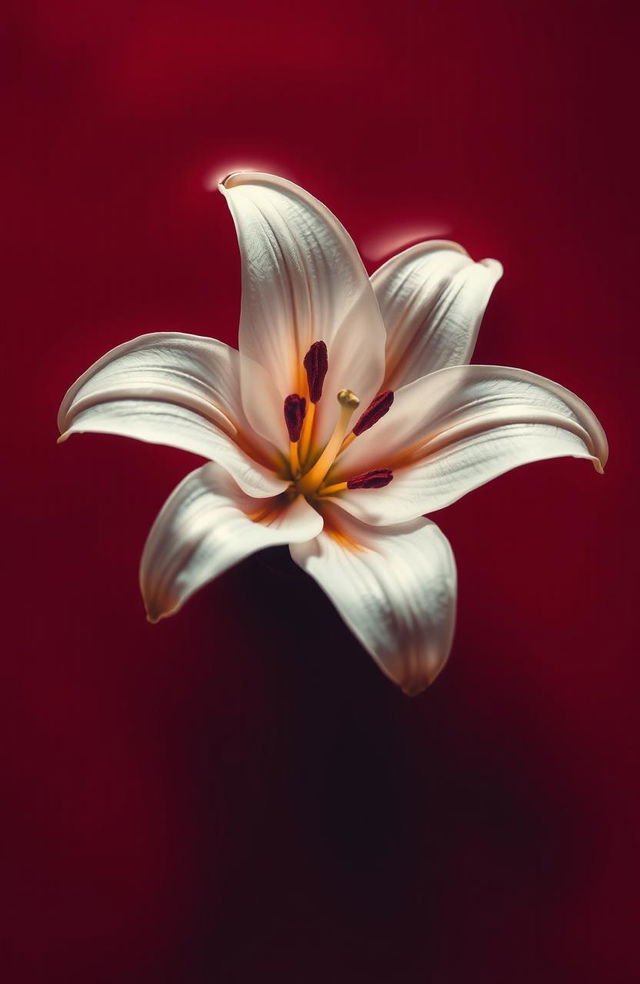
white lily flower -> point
(348, 413)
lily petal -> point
(302, 281)
(432, 297)
(456, 429)
(175, 389)
(395, 589)
(206, 526)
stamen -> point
(377, 478)
(376, 409)
(294, 411)
(348, 403)
(316, 363)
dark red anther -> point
(377, 478)
(294, 410)
(376, 409)
(316, 362)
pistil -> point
(313, 479)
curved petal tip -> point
(234, 178)
(495, 265)
(222, 183)
(218, 181)
(416, 684)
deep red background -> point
(238, 794)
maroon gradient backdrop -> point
(237, 794)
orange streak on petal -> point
(339, 534)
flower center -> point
(309, 469)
